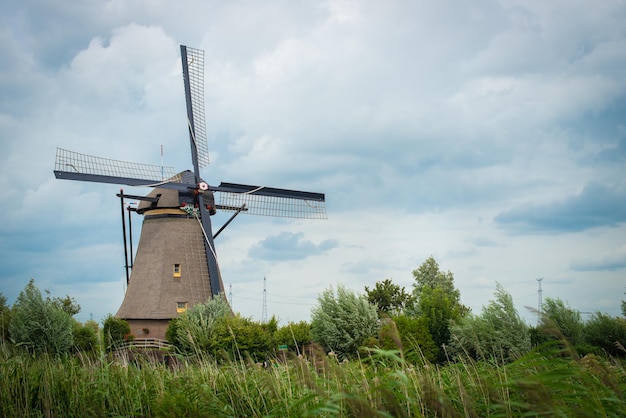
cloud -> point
(595, 206)
(427, 125)
(615, 260)
(289, 246)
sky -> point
(488, 134)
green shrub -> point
(115, 331)
(559, 320)
(295, 335)
(498, 333)
(85, 338)
(341, 322)
(37, 325)
(240, 338)
(5, 319)
(417, 343)
(607, 333)
(192, 332)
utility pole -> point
(539, 301)
(230, 295)
(264, 313)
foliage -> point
(66, 304)
(341, 322)
(497, 334)
(115, 331)
(295, 335)
(171, 333)
(85, 338)
(271, 326)
(5, 319)
(39, 326)
(607, 333)
(411, 336)
(438, 301)
(428, 275)
(390, 298)
(192, 331)
(557, 316)
(238, 338)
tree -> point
(429, 275)
(115, 331)
(438, 301)
(66, 304)
(342, 321)
(390, 298)
(557, 314)
(498, 333)
(39, 326)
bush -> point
(85, 338)
(558, 318)
(498, 333)
(239, 338)
(115, 331)
(417, 343)
(342, 322)
(5, 319)
(294, 335)
(37, 325)
(193, 330)
(607, 333)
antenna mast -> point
(264, 313)
(539, 301)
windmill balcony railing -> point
(146, 343)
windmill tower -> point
(176, 263)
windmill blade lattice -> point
(270, 201)
(72, 165)
(195, 63)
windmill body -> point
(176, 263)
(170, 270)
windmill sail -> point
(269, 201)
(70, 165)
(195, 72)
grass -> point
(548, 382)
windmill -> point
(176, 263)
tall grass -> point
(546, 382)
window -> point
(181, 307)
(176, 270)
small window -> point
(176, 270)
(181, 307)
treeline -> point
(426, 324)
(386, 352)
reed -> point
(550, 381)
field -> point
(551, 381)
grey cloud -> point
(596, 206)
(289, 246)
(610, 262)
